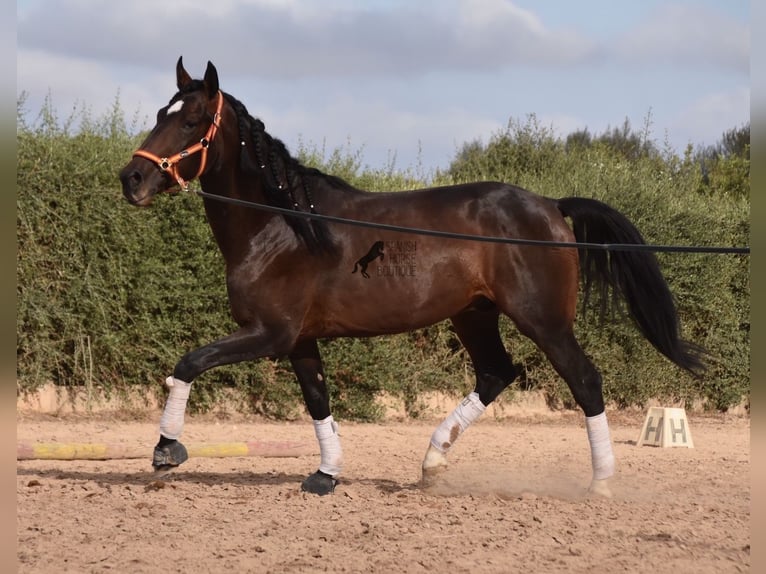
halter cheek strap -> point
(170, 164)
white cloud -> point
(500, 32)
(687, 35)
(432, 73)
(481, 14)
(381, 130)
(706, 118)
(74, 83)
(284, 39)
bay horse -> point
(289, 278)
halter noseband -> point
(170, 164)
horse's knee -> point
(317, 400)
(489, 384)
(183, 371)
(189, 367)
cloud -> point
(687, 35)
(391, 74)
(287, 39)
(500, 32)
(76, 85)
(381, 130)
(702, 121)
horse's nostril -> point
(132, 179)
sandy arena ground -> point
(513, 500)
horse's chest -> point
(262, 287)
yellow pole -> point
(87, 451)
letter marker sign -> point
(666, 427)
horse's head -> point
(177, 148)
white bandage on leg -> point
(331, 455)
(469, 409)
(172, 420)
(600, 446)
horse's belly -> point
(387, 304)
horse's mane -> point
(287, 183)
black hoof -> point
(169, 456)
(319, 483)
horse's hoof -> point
(430, 476)
(434, 464)
(319, 483)
(167, 457)
(600, 488)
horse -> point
(289, 285)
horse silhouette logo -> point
(375, 251)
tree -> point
(579, 139)
(735, 142)
(725, 166)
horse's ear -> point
(211, 80)
(183, 78)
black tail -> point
(633, 275)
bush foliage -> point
(111, 296)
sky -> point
(402, 83)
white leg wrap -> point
(331, 455)
(445, 435)
(600, 446)
(172, 420)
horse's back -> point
(488, 208)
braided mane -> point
(287, 182)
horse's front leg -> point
(308, 369)
(245, 344)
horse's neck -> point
(234, 227)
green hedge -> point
(111, 296)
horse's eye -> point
(190, 125)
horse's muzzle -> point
(138, 189)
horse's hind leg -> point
(307, 365)
(570, 361)
(478, 331)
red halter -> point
(170, 164)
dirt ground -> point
(513, 500)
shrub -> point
(109, 295)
